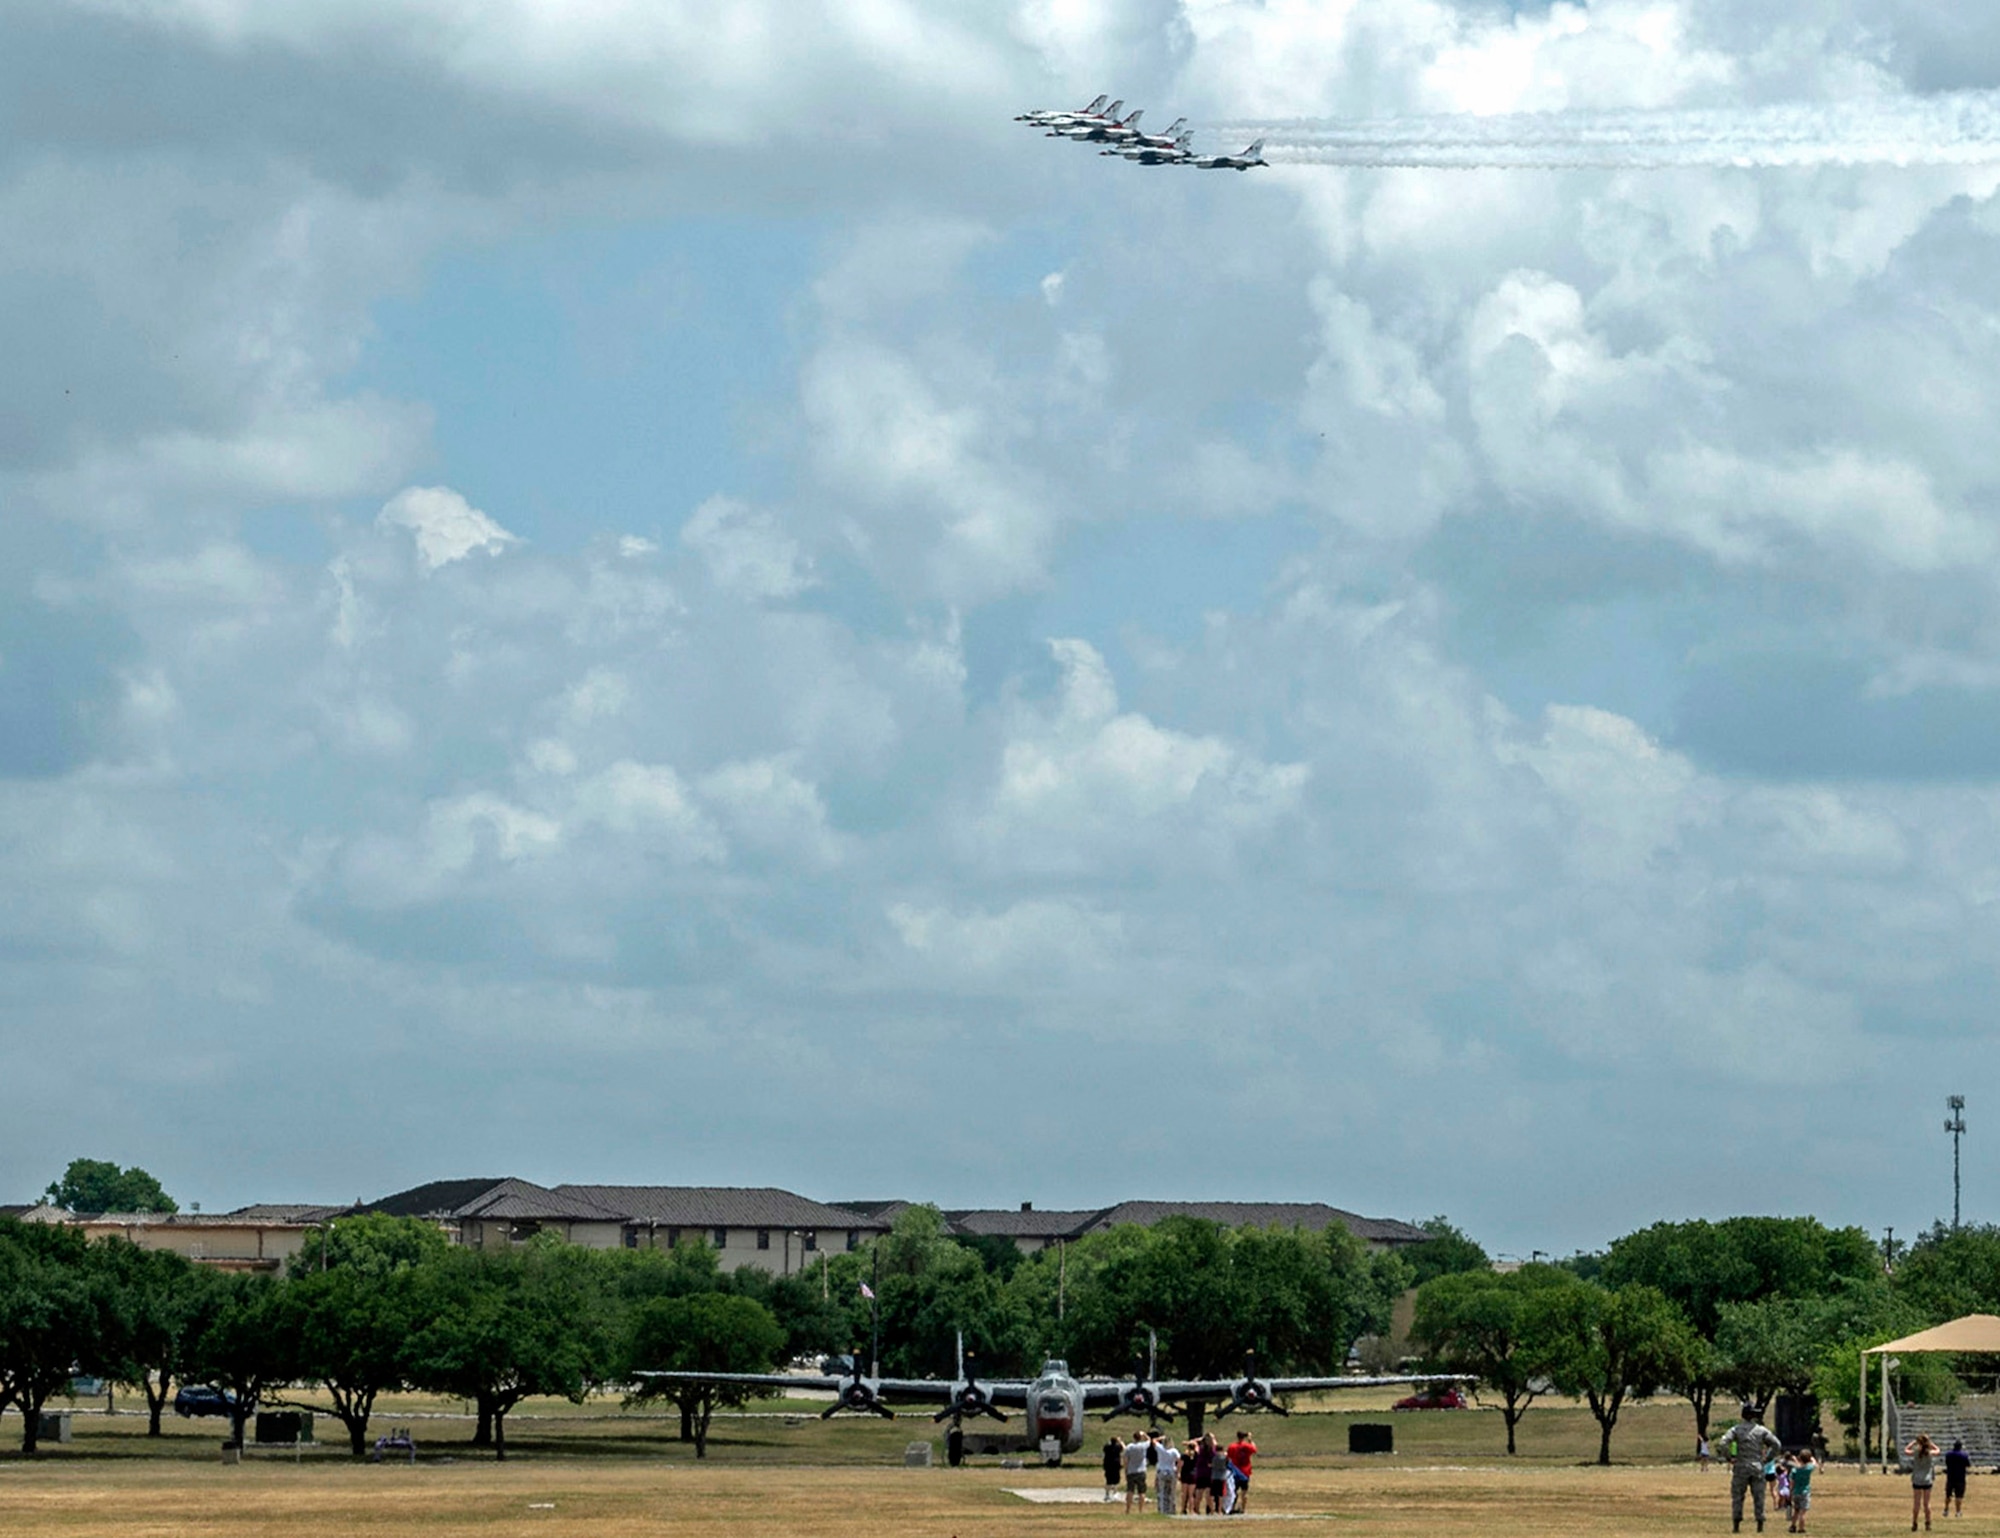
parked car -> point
(200, 1399)
(1446, 1398)
(836, 1366)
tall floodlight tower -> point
(1955, 1125)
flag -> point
(868, 1292)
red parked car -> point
(1447, 1398)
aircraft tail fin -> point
(1114, 109)
(1133, 120)
(1176, 126)
(1256, 149)
(1096, 106)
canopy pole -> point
(1861, 1459)
(1885, 1412)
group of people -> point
(1760, 1466)
(1201, 1477)
(1923, 1456)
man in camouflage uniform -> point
(1749, 1447)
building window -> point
(763, 1238)
(854, 1238)
(812, 1239)
(721, 1238)
(673, 1238)
(631, 1238)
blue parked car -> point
(200, 1399)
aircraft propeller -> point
(1142, 1398)
(857, 1394)
(1250, 1394)
(967, 1397)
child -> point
(1803, 1465)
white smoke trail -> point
(1961, 128)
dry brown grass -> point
(625, 1475)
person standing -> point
(1114, 1465)
(1218, 1475)
(1241, 1451)
(1922, 1454)
(1701, 1453)
(1190, 1495)
(1803, 1467)
(1748, 1445)
(1135, 1471)
(1957, 1464)
(1167, 1478)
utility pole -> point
(1889, 1249)
(1955, 1125)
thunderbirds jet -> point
(1049, 118)
(1253, 156)
(1097, 133)
(1053, 1404)
(1146, 153)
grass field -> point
(595, 1469)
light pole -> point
(1955, 1125)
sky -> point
(657, 592)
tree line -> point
(1742, 1308)
(374, 1305)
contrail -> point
(1960, 128)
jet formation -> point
(1099, 123)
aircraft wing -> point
(894, 1390)
(773, 1380)
(1211, 1388)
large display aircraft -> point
(1119, 132)
(1253, 156)
(1052, 1404)
(1178, 152)
(1048, 118)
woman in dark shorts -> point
(1188, 1480)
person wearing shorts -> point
(1922, 1454)
(1190, 1500)
(1803, 1467)
(1241, 1451)
(1114, 1464)
(1135, 1471)
(1218, 1474)
(1957, 1464)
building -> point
(249, 1239)
(775, 1230)
(1034, 1229)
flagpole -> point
(875, 1317)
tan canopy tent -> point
(1975, 1332)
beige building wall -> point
(227, 1246)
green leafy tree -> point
(157, 1301)
(98, 1185)
(703, 1332)
(357, 1301)
(1448, 1251)
(1952, 1272)
(1607, 1346)
(1702, 1267)
(506, 1325)
(245, 1343)
(1475, 1322)
(53, 1316)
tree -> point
(1449, 1250)
(507, 1324)
(244, 1343)
(1476, 1322)
(705, 1332)
(356, 1302)
(98, 1185)
(52, 1316)
(1606, 1345)
(1952, 1272)
(157, 1300)
(1702, 1267)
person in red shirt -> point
(1241, 1451)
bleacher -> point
(1974, 1420)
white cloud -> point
(747, 551)
(446, 527)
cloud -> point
(446, 527)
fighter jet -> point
(1160, 141)
(1047, 118)
(1253, 156)
(1108, 132)
(1179, 152)
(1053, 1404)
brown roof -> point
(307, 1213)
(721, 1207)
(508, 1200)
(1312, 1216)
(1031, 1224)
